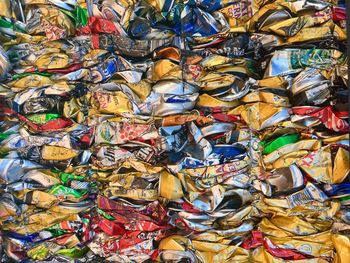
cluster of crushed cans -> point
(204, 131)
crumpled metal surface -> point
(174, 131)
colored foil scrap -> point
(174, 131)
